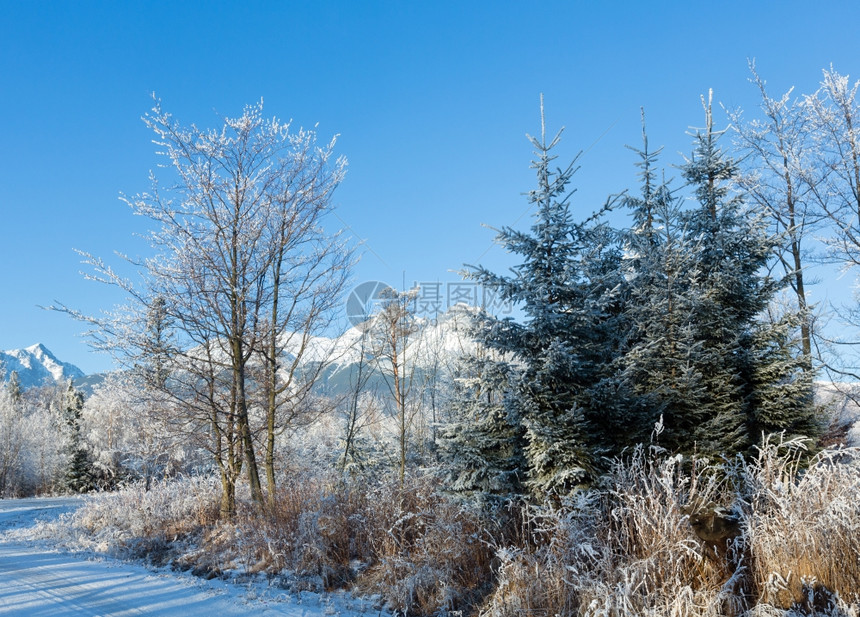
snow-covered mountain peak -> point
(36, 365)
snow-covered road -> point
(38, 581)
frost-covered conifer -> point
(13, 387)
(745, 363)
(481, 448)
(656, 370)
(783, 399)
(699, 352)
(565, 286)
(78, 475)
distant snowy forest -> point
(643, 436)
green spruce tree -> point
(78, 477)
(747, 365)
(566, 287)
(663, 384)
(481, 448)
(13, 386)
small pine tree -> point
(13, 386)
(783, 400)
(78, 477)
(481, 448)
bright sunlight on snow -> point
(38, 580)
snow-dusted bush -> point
(136, 522)
(638, 546)
(315, 529)
(430, 554)
(32, 436)
(635, 545)
(417, 550)
(127, 432)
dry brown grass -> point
(626, 550)
(418, 550)
(430, 555)
(803, 524)
(317, 529)
(630, 549)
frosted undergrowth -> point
(132, 521)
(626, 548)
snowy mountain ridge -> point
(36, 365)
(443, 339)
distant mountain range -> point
(36, 365)
(436, 345)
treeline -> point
(56, 440)
(690, 328)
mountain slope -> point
(36, 365)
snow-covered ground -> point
(37, 580)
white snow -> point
(35, 365)
(37, 580)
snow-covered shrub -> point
(634, 546)
(419, 551)
(127, 433)
(32, 439)
(430, 554)
(315, 529)
(137, 522)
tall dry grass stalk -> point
(430, 554)
(422, 553)
(624, 550)
(803, 524)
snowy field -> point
(37, 580)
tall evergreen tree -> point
(13, 386)
(741, 356)
(660, 265)
(699, 354)
(565, 287)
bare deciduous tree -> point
(834, 116)
(782, 178)
(243, 274)
(394, 329)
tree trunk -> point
(228, 496)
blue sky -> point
(431, 100)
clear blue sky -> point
(432, 101)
